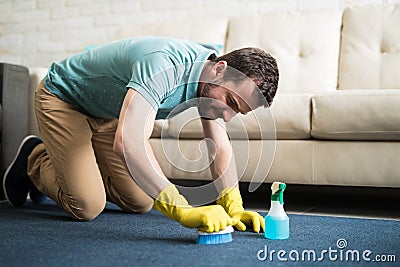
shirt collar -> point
(195, 72)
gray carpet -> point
(43, 235)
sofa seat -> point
(356, 115)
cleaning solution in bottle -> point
(276, 221)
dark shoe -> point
(36, 196)
(16, 182)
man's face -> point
(226, 99)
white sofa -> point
(337, 112)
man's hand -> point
(207, 219)
(232, 202)
(249, 218)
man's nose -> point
(228, 114)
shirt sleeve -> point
(154, 76)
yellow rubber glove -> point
(207, 219)
(232, 202)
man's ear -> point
(219, 68)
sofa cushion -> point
(356, 115)
(292, 115)
(186, 125)
(160, 129)
(288, 118)
(370, 53)
(305, 44)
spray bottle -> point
(276, 221)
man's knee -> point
(87, 210)
(144, 205)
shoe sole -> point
(12, 164)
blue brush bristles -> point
(224, 236)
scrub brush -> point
(224, 236)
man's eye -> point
(232, 103)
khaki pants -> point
(76, 166)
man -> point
(96, 112)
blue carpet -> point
(43, 235)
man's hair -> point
(255, 64)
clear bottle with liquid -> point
(277, 221)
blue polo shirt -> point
(164, 71)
